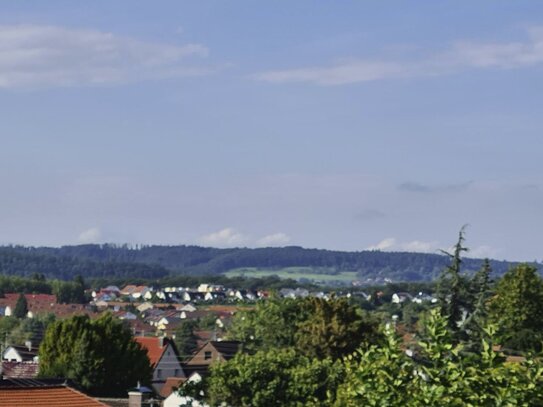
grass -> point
(296, 273)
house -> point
(421, 297)
(127, 315)
(135, 292)
(215, 295)
(215, 351)
(290, 293)
(174, 399)
(43, 393)
(399, 298)
(163, 357)
(208, 288)
(17, 353)
(145, 306)
(192, 296)
(188, 308)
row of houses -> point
(205, 292)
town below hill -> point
(324, 267)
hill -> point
(155, 262)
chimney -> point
(139, 396)
(162, 341)
(28, 344)
(135, 399)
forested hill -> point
(158, 261)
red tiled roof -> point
(60, 396)
(152, 345)
(170, 384)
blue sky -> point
(358, 125)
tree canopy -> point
(100, 355)
(280, 377)
(517, 308)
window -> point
(176, 372)
(207, 355)
(159, 373)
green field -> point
(321, 275)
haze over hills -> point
(154, 262)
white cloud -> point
(91, 235)
(392, 244)
(40, 55)
(384, 244)
(275, 239)
(227, 237)
(418, 246)
(460, 56)
(483, 251)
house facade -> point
(164, 359)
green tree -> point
(100, 355)
(439, 375)
(278, 377)
(21, 307)
(334, 328)
(185, 339)
(517, 308)
(271, 324)
(452, 288)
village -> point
(154, 316)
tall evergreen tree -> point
(21, 307)
(452, 288)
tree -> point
(185, 339)
(21, 307)
(439, 374)
(334, 329)
(452, 288)
(278, 377)
(100, 355)
(517, 308)
(272, 323)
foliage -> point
(100, 355)
(185, 339)
(21, 307)
(463, 300)
(273, 323)
(320, 328)
(517, 308)
(278, 377)
(29, 329)
(334, 328)
(68, 292)
(439, 375)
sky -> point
(341, 125)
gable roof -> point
(227, 349)
(171, 384)
(24, 352)
(35, 393)
(155, 347)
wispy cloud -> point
(392, 244)
(422, 188)
(227, 237)
(275, 239)
(370, 214)
(459, 56)
(91, 235)
(44, 56)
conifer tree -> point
(21, 307)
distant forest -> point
(156, 262)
